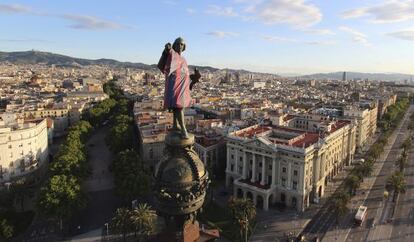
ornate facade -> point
(290, 166)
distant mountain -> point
(360, 75)
(36, 57)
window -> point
(283, 182)
(241, 158)
(295, 172)
(284, 169)
(295, 185)
(10, 146)
(232, 156)
(231, 167)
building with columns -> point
(285, 165)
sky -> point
(274, 36)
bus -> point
(360, 215)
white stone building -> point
(273, 164)
(23, 148)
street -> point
(371, 194)
(100, 186)
(403, 222)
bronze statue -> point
(177, 82)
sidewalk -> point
(91, 236)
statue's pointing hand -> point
(167, 47)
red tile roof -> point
(249, 133)
(309, 139)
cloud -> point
(221, 11)
(292, 12)
(320, 42)
(190, 10)
(78, 21)
(289, 40)
(222, 34)
(317, 31)
(387, 12)
(407, 34)
(90, 22)
(14, 8)
(278, 39)
(24, 40)
(356, 35)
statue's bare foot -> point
(185, 135)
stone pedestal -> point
(181, 182)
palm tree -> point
(364, 169)
(143, 220)
(396, 182)
(6, 230)
(402, 161)
(121, 222)
(353, 182)
(340, 201)
(243, 212)
(407, 143)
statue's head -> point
(179, 45)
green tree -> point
(61, 196)
(6, 230)
(120, 136)
(143, 220)
(121, 222)
(402, 160)
(407, 144)
(243, 213)
(364, 169)
(340, 201)
(353, 182)
(396, 182)
(132, 178)
(123, 106)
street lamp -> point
(244, 223)
(106, 225)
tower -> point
(344, 76)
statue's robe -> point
(177, 82)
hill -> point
(360, 75)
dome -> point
(181, 178)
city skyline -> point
(281, 36)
